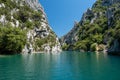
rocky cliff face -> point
(71, 37)
(29, 15)
(99, 25)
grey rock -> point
(88, 15)
(109, 2)
(115, 47)
(72, 36)
(110, 15)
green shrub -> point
(93, 47)
(82, 45)
(40, 42)
(65, 47)
(29, 24)
(12, 40)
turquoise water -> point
(64, 66)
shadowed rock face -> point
(115, 48)
(110, 2)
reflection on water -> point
(64, 66)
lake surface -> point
(64, 66)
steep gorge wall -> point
(98, 26)
(29, 15)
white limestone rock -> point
(2, 5)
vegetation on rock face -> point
(100, 29)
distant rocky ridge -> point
(29, 15)
(99, 26)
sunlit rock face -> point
(49, 46)
(40, 36)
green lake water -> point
(61, 66)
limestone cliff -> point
(29, 15)
(99, 25)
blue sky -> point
(63, 13)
